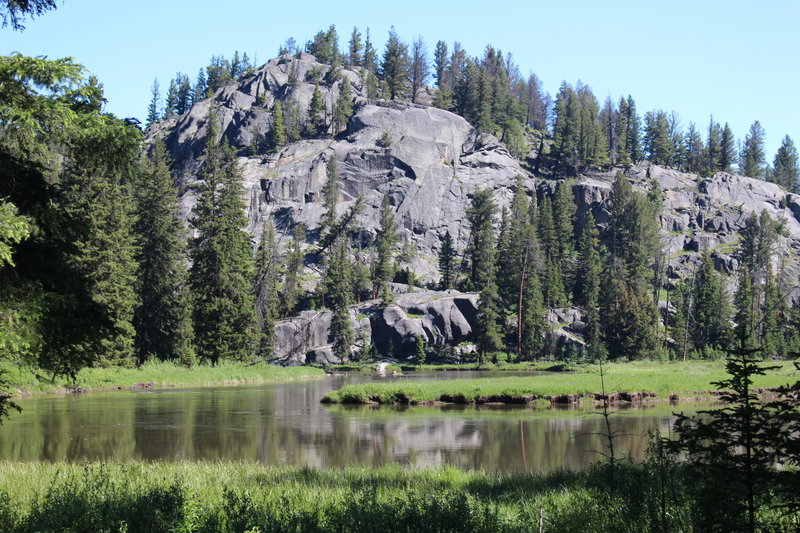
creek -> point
(287, 424)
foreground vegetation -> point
(677, 379)
(190, 497)
(155, 374)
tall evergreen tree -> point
(330, 199)
(481, 251)
(785, 170)
(745, 303)
(752, 162)
(537, 104)
(553, 280)
(440, 64)
(727, 149)
(316, 110)
(633, 132)
(692, 150)
(713, 147)
(162, 318)
(418, 67)
(265, 290)
(99, 215)
(710, 316)
(278, 132)
(153, 114)
(563, 220)
(338, 288)
(587, 287)
(222, 264)
(370, 55)
(344, 107)
(385, 244)
(482, 276)
(394, 67)
(355, 49)
(200, 87)
(447, 264)
(295, 259)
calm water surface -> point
(287, 424)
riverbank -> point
(153, 375)
(244, 496)
(641, 381)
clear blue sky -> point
(737, 60)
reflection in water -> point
(286, 424)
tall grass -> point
(244, 496)
(237, 497)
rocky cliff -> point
(435, 162)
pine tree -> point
(200, 87)
(440, 63)
(447, 266)
(693, 150)
(553, 279)
(153, 114)
(355, 49)
(162, 318)
(710, 307)
(482, 276)
(532, 314)
(330, 199)
(566, 131)
(316, 108)
(100, 218)
(344, 107)
(222, 265)
(394, 68)
(732, 450)
(293, 120)
(419, 351)
(278, 133)
(713, 147)
(265, 290)
(370, 55)
(633, 133)
(171, 102)
(338, 289)
(480, 251)
(727, 149)
(587, 287)
(418, 68)
(294, 269)
(385, 244)
(752, 162)
(745, 305)
(785, 170)
(563, 221)
(487, 330)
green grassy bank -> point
(660, 380)
(238, 497)
(249, 497)
(26, 380)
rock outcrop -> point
(433, 163)
(440, 318)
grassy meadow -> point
(154, 374)
(681, 380)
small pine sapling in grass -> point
(420, 353)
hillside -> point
(430, 167)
